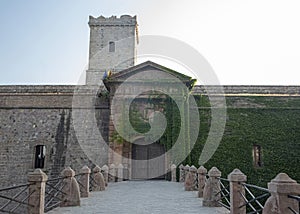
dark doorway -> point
(143, 168)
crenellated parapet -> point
(124, 20)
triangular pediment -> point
(147, 66)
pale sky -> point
(248, 42)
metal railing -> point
(77, 177)
(92, 183)
(224, 193)
(254, 204)
(296, 197)
(14, 199)
(53, 193)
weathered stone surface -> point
(105, 174)
(173, 173)
(99, 182)
(279, 202)
(42, 115)
(70, 188)
(181, 173)
(104, 31)
(212, 188)
(236, 177)
(190, 179)
(85, 181)
(201, 180)
(37, 191)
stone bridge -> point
(103, 190)
(141, 197)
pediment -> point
(148, 66)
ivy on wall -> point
(274, 125)
(270, 122)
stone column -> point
(186, 169)
(173, 173)
(280, 187)
(37, 179)
(236, 189)
(211, 188)
(201, 180)
(98, 179)
(120, 170)
(190, 179)
(85, 181)
(112, 173)
(71, 189)
(181, 173)
(105, 173)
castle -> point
(49, 126)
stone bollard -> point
(98, 179)
(120, 174)
(212, 188)
(181, 173)
(236, 177)
(186, 169)
(201, 180)
(280, 187)
(173, 173)
(105, 174)
(190, 179)
(193, 170)
(85, 181)
(112, 173)
(37, 180)
(70, 188)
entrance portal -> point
(142, 167)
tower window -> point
(257, 156)
(40, 153)
(112, 47)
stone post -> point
(212, 188)
(236, 177)
(280, 187)
(190, 179)
(186, 169)
(201, 180)
(105, 174)
(98, 179)
(85, 181)
(173, 173)
(71, 189)
(181, 173)
(37, 179)
(120, 174)
(112, 173)
(193, 170)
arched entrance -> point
(142, 168)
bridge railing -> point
(41, 194)
(224, 193)
(281, 196)
(254, 198)
(14, 199)
(53, 193)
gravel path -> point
(141, 197)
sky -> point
(247, 42)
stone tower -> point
(112, 46)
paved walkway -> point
(141, 197)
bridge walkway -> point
(141, 197)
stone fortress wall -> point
(42, 115)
